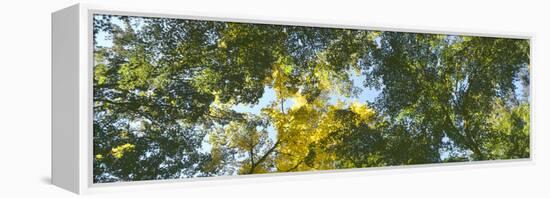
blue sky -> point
(269, 96)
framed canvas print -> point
(159, 98)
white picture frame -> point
(72, 153)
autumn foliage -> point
(168, 92)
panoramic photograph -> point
(180, 98)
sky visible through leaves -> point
(177, 98)
(369, 95)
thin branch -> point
(264, 157)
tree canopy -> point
(169, 94)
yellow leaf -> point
(118, 152)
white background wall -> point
(25, 98)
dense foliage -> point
(167, 91)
